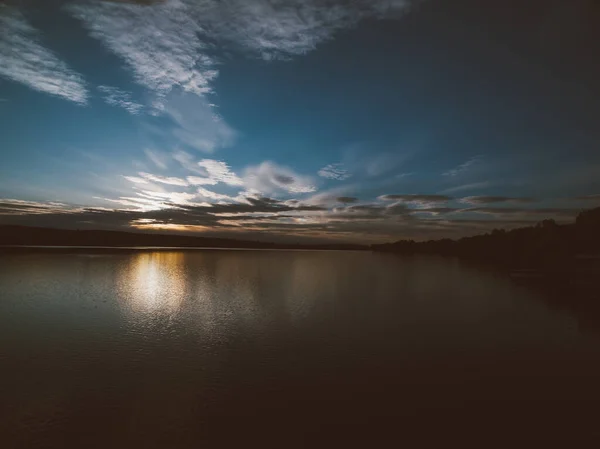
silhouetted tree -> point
(547, 244)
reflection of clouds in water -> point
(153, 283)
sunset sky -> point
(365, 120)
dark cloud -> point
(496, 199)
(595, 197)
(28, 213)
(397, 209)
(543, 212)
(282, 179)
(364, 208)
(346, 199)
(136, 2)
(18, 207)
(358, 222)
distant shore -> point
(546, 246)
(68, 248)
(23, 237)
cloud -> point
(25, 60)
(200, 181)
(256, 215)
(263, 179)
(472, 186)
(594, 197)
(116, 97)
(161, 42)
(214, 196)
(212, 171)
(169, 44)
(140, 2)
(464, 167)
(534, 213)
(289, 27)
(329, 197)
(384, 163)
(219, 171)
(334, 171)
(136, 180)
(196, 124)
(346, 199)
(435, 210)
(187, 160)
(495, 199)
(268, 178)
(171, 180)
(23, 207)
(158, 158)
(416, 198)
(159, 210)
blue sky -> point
(361, 121)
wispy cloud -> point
(272, 30)
(168, 43)
(159, 159)
(534, 214)
(472, 186)
(219, 171)
(170, 47)
(196, 124)
(116, 97)
(212, 172)
(213, 196)
(161, 42)
(136, 180)
(464, 167)
(25, 60)
(170, 180)
(290, 27)
(496, 199)
(23, 207)
(334, 171)
(415, 198)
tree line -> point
(544, 245)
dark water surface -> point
(191, 349)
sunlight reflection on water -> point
(153, 282)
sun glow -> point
(154, 282)
(149, 224)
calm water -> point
(283, 349)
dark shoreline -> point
(66, 249)
(23, 237)
(548, 247)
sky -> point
(287, 120)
